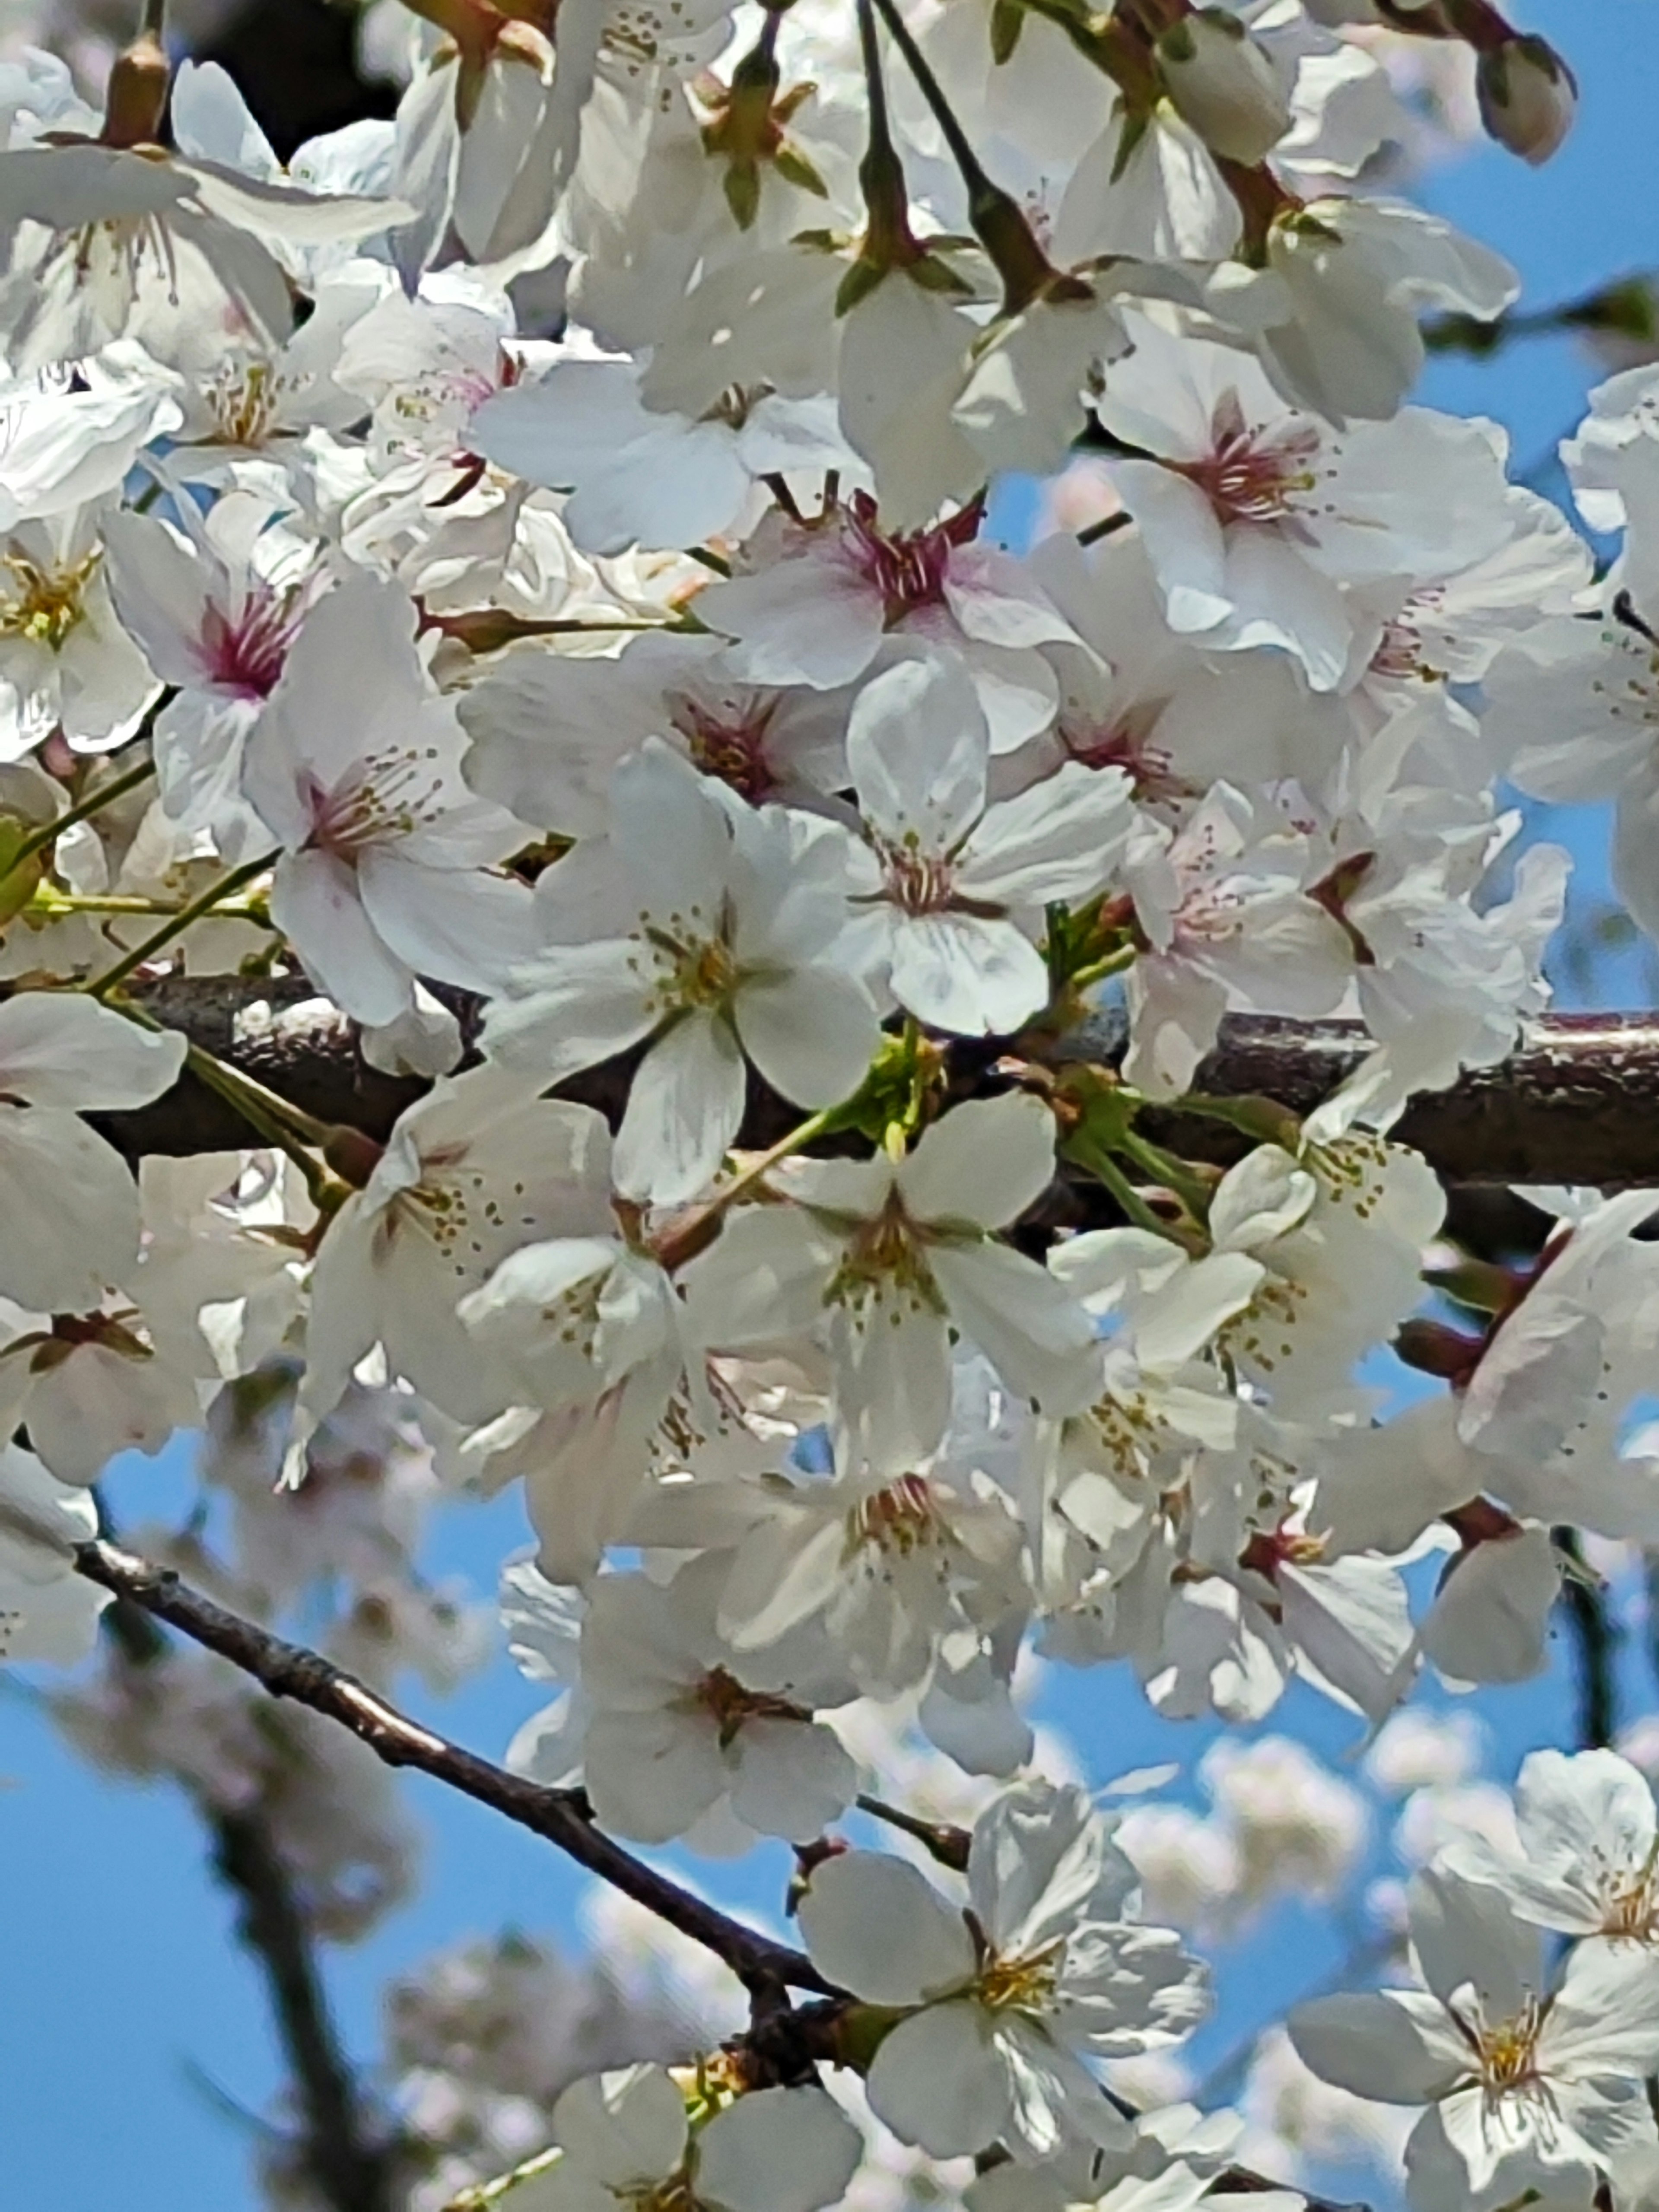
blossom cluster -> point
(516, 590)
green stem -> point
(998, 221)
(272, 1118)
(49, 901)
(1113, 963)
(93, 802)
(1173, 1174)
(176, 925)
(1101, 1165)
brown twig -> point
(562, 1816)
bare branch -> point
(783, 2041)
(1578, 1101)
(562, 1816)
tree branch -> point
(1578, 1101)
(783, 2041)
(1595, 1643)
(351, 2164)
(562, 1816)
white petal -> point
(811, 1033)
(1394, 2046)
(68, 1212)
(939, 2082)
(623, 2128)
(877, 1927)
(778, 2150)
(983, 1165)
(62, 1048)
(684, 1111)
(917, 750)
(1033, 1332)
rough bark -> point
(1578, 1101)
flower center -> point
(1507, 2053)
(917, 882)
(388, 794)
(1021, 1984)
(243, 400)
(246, 652)
(697, 970)
(41, 604)
(900, 1518)
(729, 741)
(730, 1704)
(908, 567)
(1250, 475)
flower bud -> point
(1224, 84)
(1527, 97)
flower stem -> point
(998, 221)
(285, 1126)
(49, 901)
(1101, 1165)
(175, 926)
(93, 802)
(1175, 1175)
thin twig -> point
(562, 1816)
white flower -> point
(47, 1611)
(592, 1330)
(729, 916)
(627, 2142)
(68, 1205)
(1586, 1854)
(1528, 2087)
(99, 242)
(893, 1255)
(216, 614)
(642, 476)
(1225, 906)
(548, 729)
(1255, 514)
(816, 604)
(1002, 2011)
(479, 1167)
(355, 770)
(1335, 314)
(894, 1573)
(669, 1724)
(949, 890)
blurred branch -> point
(562, 1816)
(1625, 307)
(1595, 1644)
(350, 2160)
(352, 2163)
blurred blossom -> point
(1419, 1749)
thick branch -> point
(562, 1816)
(1578, 1103)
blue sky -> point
(124, 1990)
